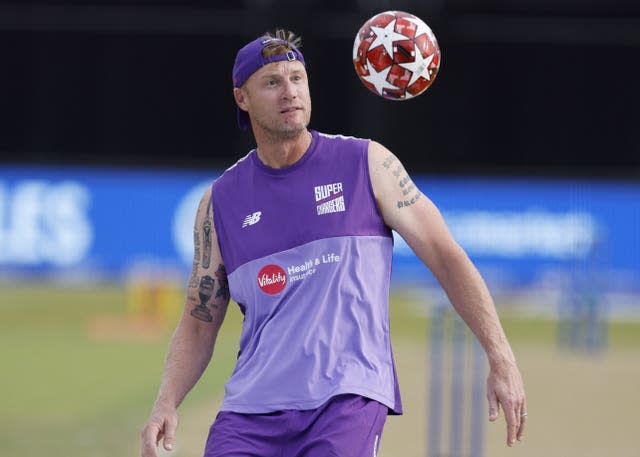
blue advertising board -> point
(101, 223)
(96, 221)
(519, 230)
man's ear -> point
(240, 97)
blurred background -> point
(115, 115)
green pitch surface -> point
(77, 378)
(79, 375)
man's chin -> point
(289, 131)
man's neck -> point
(281, 153)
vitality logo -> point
(272, 279)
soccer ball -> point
(396, 55)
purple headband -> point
(249, 60)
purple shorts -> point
(345, 426)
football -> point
(396, 55)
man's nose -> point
(289, 90)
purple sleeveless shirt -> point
(308, 259)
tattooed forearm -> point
(205, 292)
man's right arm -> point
(192, 343)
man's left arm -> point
(410, 213)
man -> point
(299, 233)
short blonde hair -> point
(279, 47)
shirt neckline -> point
(290, 168)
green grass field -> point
(78, 380)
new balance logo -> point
(252, 219)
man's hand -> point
(162, 424)
(505, 387)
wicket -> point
(451, 344)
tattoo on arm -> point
(205, 291)
(409, 189)
(206, 238)
(389, 161)
(196, 245)
(193, 279)
(411, 201)
(223, 293)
